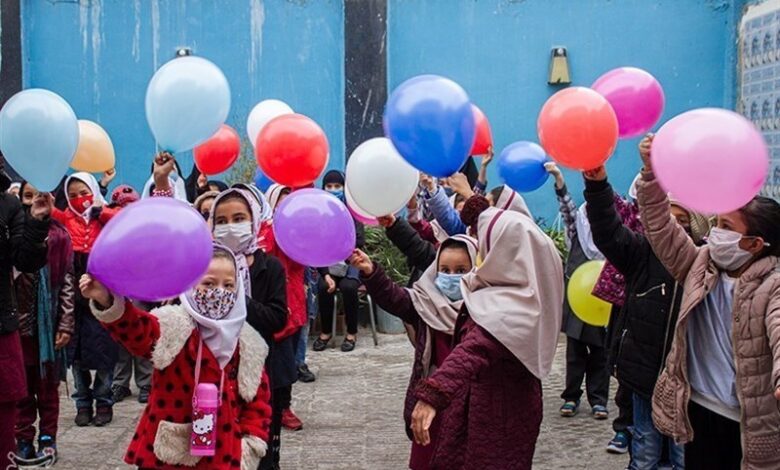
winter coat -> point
(645, 324)
(489, 404)
(169, 337)
(755, 335)
(23, 246)
(82, 233)
(419, 252)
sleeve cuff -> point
(562, 191)
(430, 392)
(253, 449)
(112, 313)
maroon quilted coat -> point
(489, 403)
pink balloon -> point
(154, 249)
(358, 213)
(712, 160)
(635, 95)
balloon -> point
(218, 153)
(261, 181)
(187, 100)
(483, 139)
(153, 249)
(635, 95)
(314, 228)
(585, 305)
(95, 152)
(430, 121)
(578, 128)
(379, 179)
(292, 150)
(521, 166)
(357, 213)
(39, 134)
(711, 160)
(262, 114)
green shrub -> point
(380, 249)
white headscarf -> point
(274, 193)
(265, 208)
(632, 190)
(221, 336)
(92, 184)
(585, 236)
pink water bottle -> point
(205, 402)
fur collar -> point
(176, 327)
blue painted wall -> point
(499, 51)
(100, 54)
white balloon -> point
(261, 114)
(379, 179)
(352, 205)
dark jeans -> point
(624, 401)
(349, 294)
(86, 392)
(43, 399)
(716, 441)
(125, 365)
(588, 362)
(647, 443)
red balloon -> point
(578, 128)
(219, 152)
(483, 138)
(292, 150)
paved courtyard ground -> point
(352, 419)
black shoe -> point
(83, 417)
(104, 416)
(119, 393)
(47, 449)
(321, 344)
(143, 395)
(25, 450)
(348, 345)
(305, 375)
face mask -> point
(82, 203)
(214, 303)
(725, 251)
(449, 285)
(237, 237)
(339, 193)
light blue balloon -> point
(187, 100)
(39, 135)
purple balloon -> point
(154, 249)
(314, 228)
(635, 95)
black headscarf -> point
(333, 176)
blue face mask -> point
(449, 285)
(339, 193)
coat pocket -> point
(172, 444)
(665, 405)
(764, 447)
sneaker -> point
(83, 417)
(290, 421)
(600, 412)
(25, 450)
(348, 345)
(305, 375)
(320, 344)
(47, 449)
(143, 395)
(618, 444)
(104, 416)
(570, 408)
(119, 393)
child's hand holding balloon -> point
(43, 203)
(164, 165)
(644, 151)
(555, 172)
(91, 288)
(362, 262)
(460, 184)
(596, 174)
(386, 221)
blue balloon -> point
(263, 182)
(187, 100)
(521, 166)
(39, 135)
(430, 122)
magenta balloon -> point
(712, 160)
(635, 95)
(361, 218)
(314, 228)
(154, 249)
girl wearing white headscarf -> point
(203, 339)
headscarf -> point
(273, 195)
(632, 190)
(175, 180)
(16, 185)
(221, 186)
(203, 198)
(92, 184)
(511, 200)
(221, 336)
(254, 211)
(123, 195)
(700, 224)
(435, 309)
(333, 176)
(516, 294)
(585, 236)
(266, 212)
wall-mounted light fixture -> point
(559, 67)
(183, 51)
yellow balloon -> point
(95, 153)
(584, 304)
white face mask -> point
(237, 237)
(725, 251)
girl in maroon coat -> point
(432, 306)
(209, 323)
(488, 390)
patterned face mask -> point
(214, 303)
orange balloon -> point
(95, 153)
(578, 128)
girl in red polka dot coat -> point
(210, 317)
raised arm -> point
(419, 252)
(386, 293)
